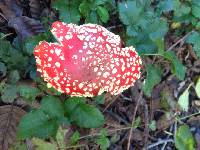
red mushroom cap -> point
(86, 61)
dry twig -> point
(133, 120)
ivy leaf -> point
(68, 10)
(153, 77)
(28, 92)
(52, 106)
(103, 13)
(36, 123)
(84, 115)
(177, 68)
(9, 93)
(183, 100)
(197, 87)
(194, 39)
(184, 139)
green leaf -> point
(31, 42)
(68, 10)
(14, 76)
(52, 106)
(74, 138)
(160, 44)
(152, 125)
(137, 122)
(71, 103)
(85, 8)
(197, 87)
(157, 29)
(60, 137)
(100, 99)
(194, 39)
(102, 140)
(87, 116)
(180, 8)
(153, 77)
(84, 115)
(43, 145)
(183, 100)
(103, 14)
(166, 5)
(184, 139)
(9, 93)
(196, 11)
(3, 69)
(36, 123)
(28, 92)
(129, 12)
(92, 18)
(176, 67)
(99, 2)
(12, 58)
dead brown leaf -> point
(9, 118)
(165, 121)
(35, 8)
(11, 8)
(25, 26)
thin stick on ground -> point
(133, 120)
(146, 130)
(180, 40)
(160, 142)
(109, 132)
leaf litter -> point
(24, 18)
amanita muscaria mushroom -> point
(86, 61)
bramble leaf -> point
(129, 12)
(84, 115)
(52, 106)
(36, 123)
